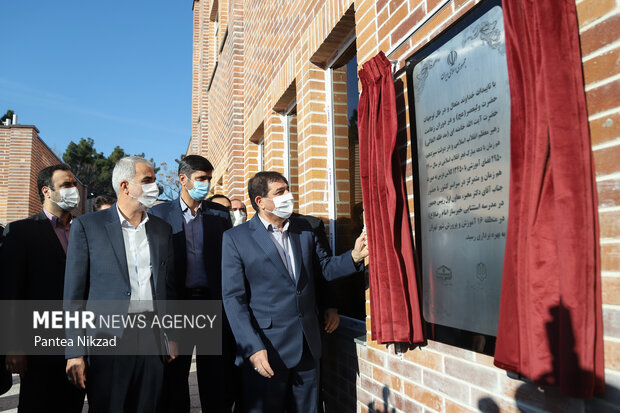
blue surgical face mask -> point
(200, 190)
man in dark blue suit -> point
(197, 229)
(269, 265)
(122, 254)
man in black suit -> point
(33, 264)
(6, 381)
(122, 253)
(197, 228)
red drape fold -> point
(394, 305)
(550, 321)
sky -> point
(118, 71)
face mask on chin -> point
(69, 198)
(150, 193)
(283, 205)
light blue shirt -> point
(194, 244)
(282, 241)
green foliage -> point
(93, 168)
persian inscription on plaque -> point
(462, 121)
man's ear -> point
(124, 185)
(257, 201)
(183, 179)
(46, 191)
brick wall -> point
(23, 154)
(276, 53)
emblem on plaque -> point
(444, 273)
(481, 271)
(452, 57)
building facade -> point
(23, 154)
(275, 88)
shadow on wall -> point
(530, 397)
(385, 406)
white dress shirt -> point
(138, 263)
(282, 241)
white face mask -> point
(238, 217)
(150, 193)
(69, 198)
(283, 205)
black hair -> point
(102, 200)
(258, 185)
(193, 163)
(218, 196)
(44, 178)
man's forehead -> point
(61, 175)
(273, 186)
(144, 169)
(202, 173)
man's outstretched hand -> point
(361, 249)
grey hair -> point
(125, 170)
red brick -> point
(605, 129)
(441, 347)
(603, 98)
(455, 389)
(452, 407)
(471, 373)
(403, 28)
(425, 358)
(609, 224)
(376, 357)
(390, 380)
(589, 10)
(423, 396)
(606, 160)
(612, 355)
(405, 369)
(601, 67)
(610, 257)
(598, 36)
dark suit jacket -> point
(6, 380)
(215, 220)
(265, 308)
(33, 261)
(97, 264)
(327, 294)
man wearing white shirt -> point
(122, 253)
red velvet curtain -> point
(394, 307)
(550, 323)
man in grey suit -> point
(122, 253)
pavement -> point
(9, 400)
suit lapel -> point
(115, 233)
(175, 216)
(264, 240)
(296, 244)
(50, 235)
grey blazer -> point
(96, 266)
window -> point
(291, 171)
(344, 185)
(261, 156)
